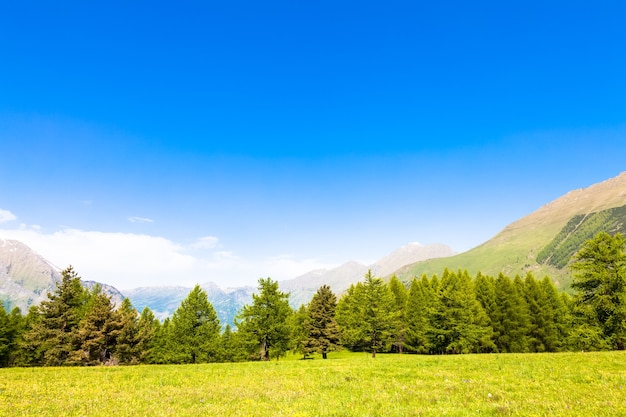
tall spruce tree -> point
(366, 315)
(321, 327)
(51, 338)
(419, 303)
(299, 332)
(543, 333)
(510, 317)
(461, 323)
(97, 332)
(6, 337)
(400, 298)
(147, 328)
(562, 316)
(196, 329)
(126, 347)
(600, 281)
(266, 321)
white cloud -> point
(206, 242)
(140, 220)
(283, 267)
(127, 260)
(6, 216)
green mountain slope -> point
(543, 241)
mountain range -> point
(541, 243)
(228, 301)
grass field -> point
(567, 384)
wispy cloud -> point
(6, 216)
(206, 242)
(140, 220)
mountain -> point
(26, 277)
(339, 279)
(163, 301)
(542, 242)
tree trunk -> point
(324, 355)
(265, 355)
(373, 353)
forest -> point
(453, 313)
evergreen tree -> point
(162, 345)
(368, 318)
(6, 338)
(299, 332)
(600, 280)
(349, 313)
(126, 348)
(51, 338)
(266, 320)
(462, 324)
(196, 329)
(232, 349)
(97, 332)
(400, 298)
(561, 316)
(419, 304)
(510, 317)
(147, 328)
(543, 333)
(321, 327)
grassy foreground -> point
(567, 384)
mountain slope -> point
(26, 277)
(515, 250)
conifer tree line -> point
(454, 313)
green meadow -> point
(347, 384)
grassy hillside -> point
(568, 384)
(552, 234)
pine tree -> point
(419, 303)
(162, 345)
(196, 329)
(400, 298)
(321, 327)
(126, 347)
(147, 328)
(300, 333)
(543, 334)
(558, 341)
(97, 332)
(51, 338)
(366, 315)
(232, 349)
(6, 338)
(463, 325)
(349, 313)
(600, 281)
(266, 320)
(510, 317)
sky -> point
(174, 143)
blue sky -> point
(171, 143)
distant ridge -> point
(228, 301)
(339, 279)
(525, 245)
